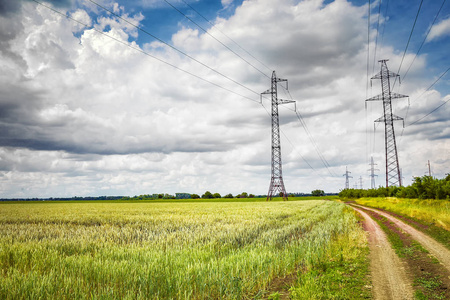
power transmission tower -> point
(372, 173)
(360, 182)
(393, 176)
(347, 186)
(276, 181)
(429, 169)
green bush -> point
(425, 187)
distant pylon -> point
(276, 181)
(393, 176)
(347, 186)
(372, 173)
(360, 182)
(429, 169)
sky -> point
(153, 96)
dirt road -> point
(389, 277)
(441, 253)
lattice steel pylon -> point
(276, 181)
(393, 176)
(372, 173)
(347, 184)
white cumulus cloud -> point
(81, 112)
(440, 30)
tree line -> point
(206, 195)
(425, 187)
(89, 198)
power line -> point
(384, 23)
(293, 147)
(308, 133)
(205, 31)
(368, 50)
(420, 48)
(407, 44)
(326, 164)
(316, 147)
(376, 38)
(214, 26)
(429, 113)
(374, 130)
(146, 53)
(311, 138)
(442, 75)
(174, 48)
(407, 110)
(367, 72)
(417, 53)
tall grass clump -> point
(430, 211)
(164, 250)
(340, 270)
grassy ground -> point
(200, 200)
(436, 212)
(185, 250)
(429, 216)
(342, 272)
(429, 278)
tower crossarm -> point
(380, 97)
(396, 95)
(282, 101)
(380, 119)
(264, 93)
(375, 98)
(282, 80)
(380, 75)
(394, 118)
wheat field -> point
(107, 250)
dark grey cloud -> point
(8, 7)
(19, 103)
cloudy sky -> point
(153, 96)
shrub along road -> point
(425, 261)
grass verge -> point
(429, 216)
(342, 273)
(427, 275)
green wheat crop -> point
(162, 250)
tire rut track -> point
(441, 253)
(389, 276)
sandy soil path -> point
(389, 276)
(436, 249)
